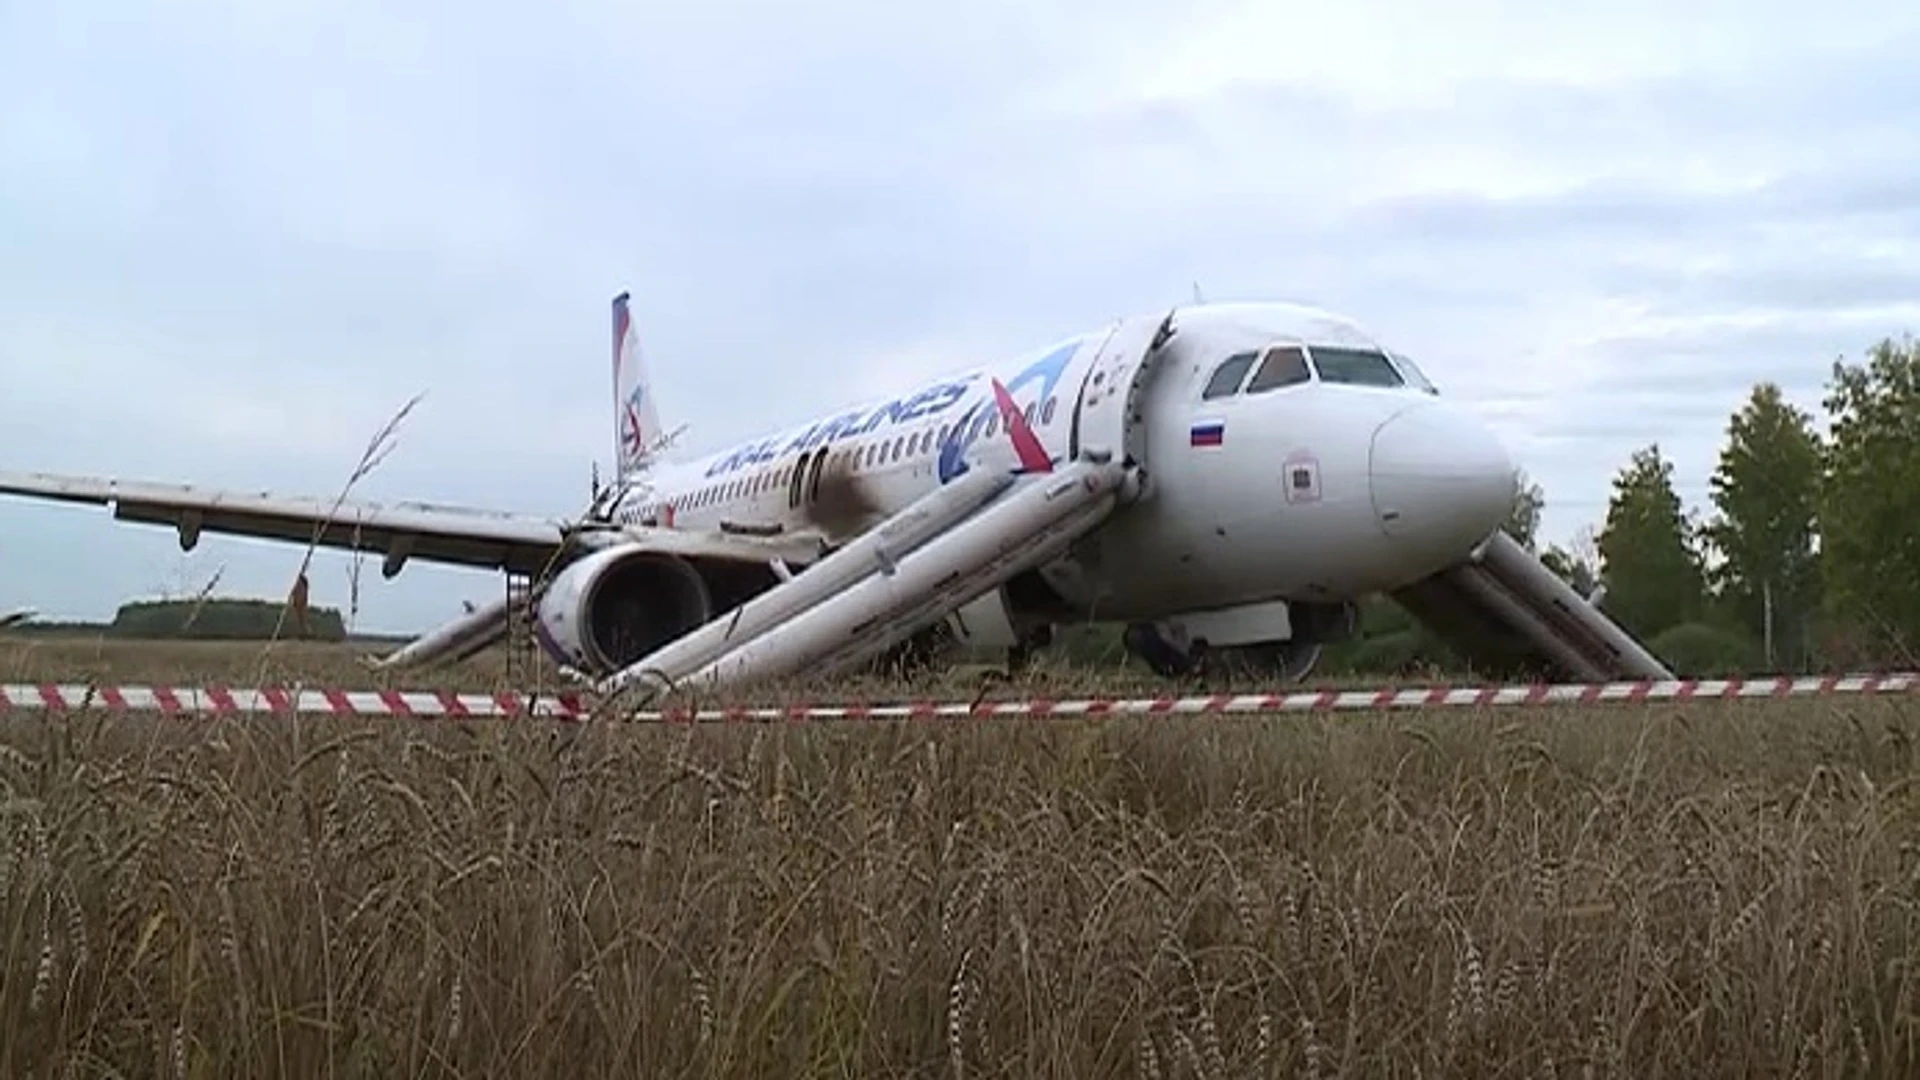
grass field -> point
(1706, 890)
(188, 663)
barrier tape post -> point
(430, 704)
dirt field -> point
(1708, 890)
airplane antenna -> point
(1197, 298)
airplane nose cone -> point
(1441, 482)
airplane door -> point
(803, 486)
(1107, 415)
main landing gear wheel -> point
(918, 655)
(1020, 656)
(1163, 657)
(1284, 660)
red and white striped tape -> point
(220, 701)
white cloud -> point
(1397, 52)
(237, 235)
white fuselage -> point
(1352, 478)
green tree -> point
(219, 619)
(1870, 509)
(1648, 560)
(1570, 568)
(1577, 563)
(1523, 524)
(1766, 491)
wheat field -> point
(27, 659)
(1698, 890)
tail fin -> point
(637, 429)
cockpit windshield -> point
(1284, 365)
(1354, 367)
(1414, 375)
(1228, 376)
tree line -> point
(1808, 555)
(211, 619)
(1806, 558)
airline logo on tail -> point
(631, 436)
(634, 415)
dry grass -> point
(188, 663)
(1711, 890)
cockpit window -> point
(1285, 365)
(1226, 378)
(1354, 367)
(1414, 374)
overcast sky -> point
(235, 235)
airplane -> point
(1228, 480)
(15, 618)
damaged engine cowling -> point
(613, 607)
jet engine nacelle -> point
(613, 607)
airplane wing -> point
(12, 617)
(447, 534)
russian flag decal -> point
(1208, 433)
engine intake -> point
(615, 606)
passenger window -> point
(1228, 376)
(1285, 365)
(1046, 412)
(1354, 367)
